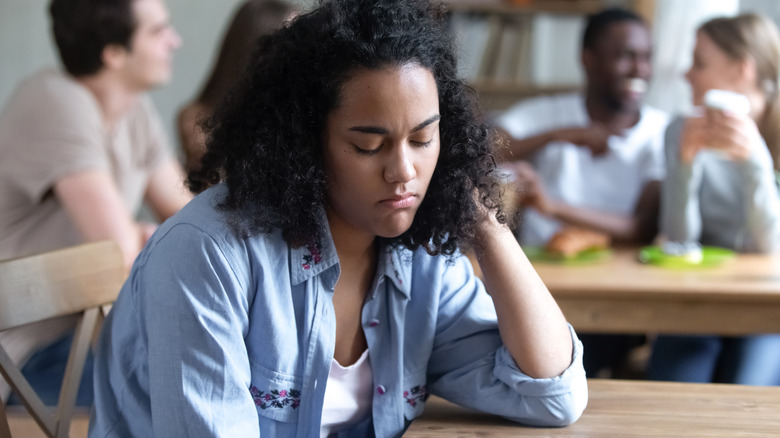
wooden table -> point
(624, 296)
(628, 409)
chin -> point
(393, 226)
(159, 79)
(151, 85)
(631, 104)
(391, 232)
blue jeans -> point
(45, 371)
(748, 360)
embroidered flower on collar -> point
(415, 394)
(277, 398)
(397, 275)
(314, 256)
(395, 269)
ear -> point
(587, 59)
(114, 56)
(747, 70)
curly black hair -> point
(265, 140)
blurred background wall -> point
(26, 46)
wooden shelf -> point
(505, 42)
(519, 88)
(500, 96)
(531, 7)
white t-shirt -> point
(348, 395)
(611, 182)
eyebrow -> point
(159, 27)
(382, 131)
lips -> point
(404, 200)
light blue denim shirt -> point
(215, 334)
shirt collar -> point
(311, 260)
(395, 263)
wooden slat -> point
(81, 275)
(30, 399)
(5, 430)
(74, 370)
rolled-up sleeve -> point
(470, 366)
(558, 400)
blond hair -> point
(752, 36)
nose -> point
(400, 166)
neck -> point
(613, 116)
(113, 97)
(352, 248)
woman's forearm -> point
(531, 324)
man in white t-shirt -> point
(596, 158)
(82, 150)
(593, 160)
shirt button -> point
(373, 323)
(380, 389)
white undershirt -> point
(348, 395)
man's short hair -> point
(599, 22)
(83, 28)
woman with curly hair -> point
(315, 285)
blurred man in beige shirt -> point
(83, 149)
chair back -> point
(73, 281)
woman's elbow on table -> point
(557, 411)
(559, 406)
(569, 409)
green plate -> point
(539, 254)
(711, 256)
